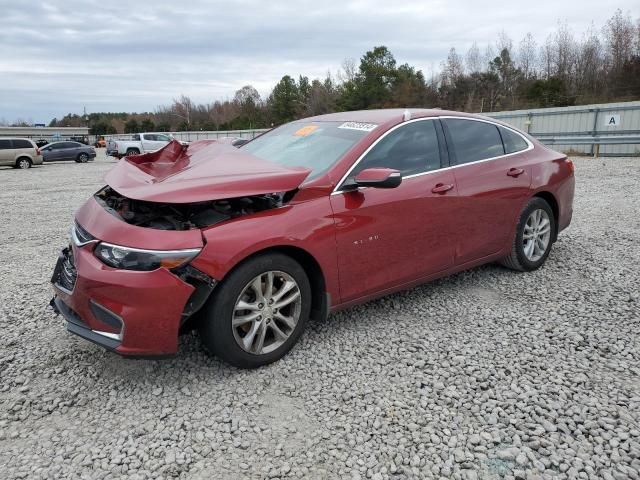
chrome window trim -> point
(337, 189)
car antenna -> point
(407, 115)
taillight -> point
(572, 167)
(37, 151)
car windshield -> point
(314, 145)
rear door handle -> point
(514, 172)
(441, 188)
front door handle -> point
(514, 172)
(442, 188)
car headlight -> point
(128, 258)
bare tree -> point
(504, 43)
(565, 52)
(489, 55)
(620, 36)
(472, 59)
(182, 107)
(453, 68)
(590, 63)
(547, 58)
(527, 56)
(349, 70)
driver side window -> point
(411, 148)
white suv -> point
(19, 153)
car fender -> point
(308, 226)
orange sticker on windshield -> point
(304, 131)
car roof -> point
(16, 138)
(386, 115)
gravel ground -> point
(485, 374)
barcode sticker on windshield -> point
(365, 127)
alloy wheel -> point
(266, 312)
(24, 163)
(536, 235)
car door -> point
(53, 152)
(6, 153)
(492, 186)
(388, 237)
(67, 151)
(149, 142)
(161, 140)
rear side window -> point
(22, 144)
(512, 141)
(411, 148)
(473, 140)
(5, 144)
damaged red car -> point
(247, 244)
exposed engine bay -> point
(186, 216)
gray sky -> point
(115, 55)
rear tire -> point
(217, 331)
(535, 232)
(23, 163)
(132, 151)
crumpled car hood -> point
(203, 171)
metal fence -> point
(610, 129)
(203, 135)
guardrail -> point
(595, 141)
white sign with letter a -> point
(612, 121)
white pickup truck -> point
(136, 144)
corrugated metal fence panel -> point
(597, 119)
(211, 135)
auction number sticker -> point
(365, 127)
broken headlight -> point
(128, 258)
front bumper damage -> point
(133, 313)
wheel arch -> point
(553, 203)
(25, 156)
(320, 301)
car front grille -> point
(82, 237)
(67, 274)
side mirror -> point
(378, 178)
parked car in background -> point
(138, 143)
(41, 142)
(58, 151)
(19, 153)
(240, 141)
(80, 139)
(246, 244)
(100, 143)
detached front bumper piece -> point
(77, 326)
(133, 313)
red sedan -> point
(247, 244)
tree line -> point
(599, 65)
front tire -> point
(23, 163)
(132, 151)
(83, 158)
(258, 312)
(535, 232)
